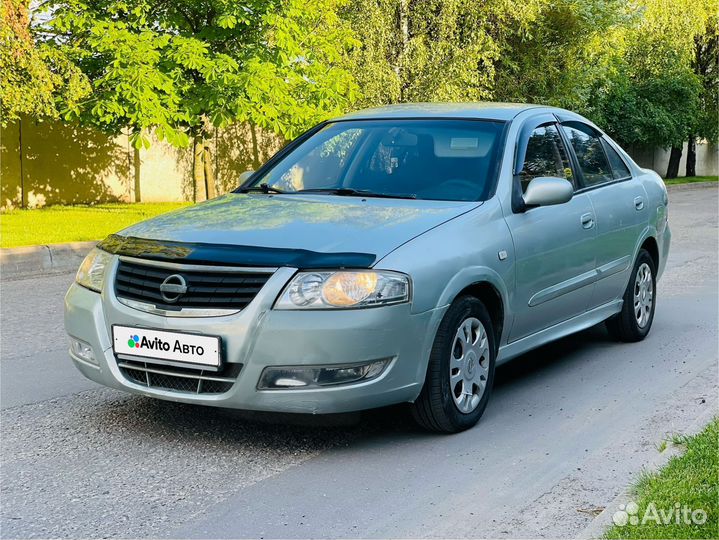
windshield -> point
(424, 159)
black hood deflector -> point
(231, 255)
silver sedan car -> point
(392, 255)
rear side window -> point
(545, 156)
(587, 146)
(619, 168)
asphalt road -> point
(568, 427)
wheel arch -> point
(487, 286)
(648, 237)
(650, 244)
(488, 294)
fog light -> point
(316, 376)
(82, 350)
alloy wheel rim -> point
(643, 295)
(469, 364)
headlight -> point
(92, 270)
(344, 289)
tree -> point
(652, 96)
(32, 78)
(705, 66)
(180, 67)
(559, 54)
(541, 51)
(627, 66)
(431, 50)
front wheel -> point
(635, 320)
(460, 373)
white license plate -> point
(166, 347)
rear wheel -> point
(635, 320)
(461, 369)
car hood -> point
(317, 223)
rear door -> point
(554, 245)
(619, 203)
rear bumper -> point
(664, 241)
(259, 337)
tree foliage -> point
(560, 55)
(653, 96)
(705, 65)
(32, 77)
(645, 70)
(177, 66)
(432, 50)
(628, 66)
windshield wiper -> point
(346, 192)
(350, 192)
(261, 188)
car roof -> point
(483, 110)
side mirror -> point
(245, 176)
(548, 190)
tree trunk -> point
(403, 29)
(674, 159)
(692, 157)
(137, 170)
(22, 163)
(209, 173)
(255, 148)
(198, 168)
(404, 23)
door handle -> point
(587, 221)
(639, 203)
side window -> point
(545, 156)
(619, 168)
(590, 153)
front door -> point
(554, 245)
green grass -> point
(56, 224)
(691, 479)
(690, 180)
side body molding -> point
(611, 268)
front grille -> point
(206, 288)
(176, 379)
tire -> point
(458, 366)
(630, 325)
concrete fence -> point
(657, 159)
(53, 163)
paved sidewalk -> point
(31, 261)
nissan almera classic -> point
(393, 255)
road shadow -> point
(156, 418)
(554, 356)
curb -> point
(691, 185)
(596, 529)
(31, 261)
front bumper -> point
(258, 337)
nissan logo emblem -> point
(173, 287)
